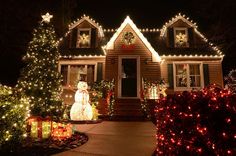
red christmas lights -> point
(197, 123)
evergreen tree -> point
(14, 109)
(40, 79)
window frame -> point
(188, 88)
(186, 32)
(78, 34)
(69, 64)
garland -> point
(231, 81)
(151, 90)
(104, 89)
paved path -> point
(116, 139)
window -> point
(181, 37)
(74, 73)
(84, 38)
(188, 76)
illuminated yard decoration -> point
(14, 111)
(61, 131)
(81, 109)
(40, 79)
(197, 123)
(40, 128)
(153, 90)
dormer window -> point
(84, 38)
(181, 37)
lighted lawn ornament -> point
(40, 128)
(61, 131)
(81, 109)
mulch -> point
(47, 147)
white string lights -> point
(162, 32)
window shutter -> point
(99, 71)
(171, 37)
(190, 37)
(206, 74)
(74, 38)
(93, 38)
(170, 75)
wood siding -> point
(148, 69)
(215, 73)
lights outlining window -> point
(74, 73)
(84, 38)
(188, 76)
(181, 37)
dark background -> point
(215, 19)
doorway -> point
(129, 77)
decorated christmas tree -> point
(40, 79)
(14, 109)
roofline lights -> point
(82, 56)
(110, 44)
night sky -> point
(215, 19)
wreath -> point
(128, 38)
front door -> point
(128, 77)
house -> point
(177, 52)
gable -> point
(90, 22)
(84, 38)
(128, 23)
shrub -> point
(197, 123)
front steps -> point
(124, 110)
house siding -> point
(215, 73)
(148, 69)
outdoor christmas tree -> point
(40, 79)
(14, 109)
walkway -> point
(116, 139)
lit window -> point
(188, 76)
(72, 74)
(84, 38)
(181, 37)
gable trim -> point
(91, 21)
(175, 19)
(194, 25)
(110, 44)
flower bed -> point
(48, 146)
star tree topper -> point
(47, 17)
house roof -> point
(82, 52)
(90, 20)
(159, 44)
(175, 19)
(128, 21)
(154, 40)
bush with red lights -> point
(197, 123)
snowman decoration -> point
(81, 109)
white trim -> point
(188, 84)
(120, 72)
(186, 33)
(82, 56)
(175, 19)
(92, 22)
(192, 56)
(128, 21)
